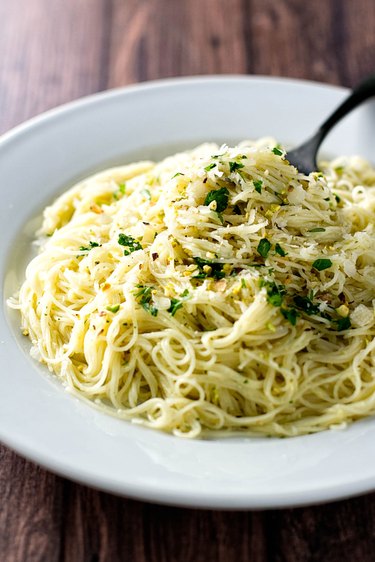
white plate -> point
(41, 421)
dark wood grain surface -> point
(53, 51)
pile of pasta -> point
(219, 290)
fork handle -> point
(362, 92)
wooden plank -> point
(30, 510)
(160, 39)
(339, 531)
(51, 53)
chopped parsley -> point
(277, 296)
(306, 304)
(243, 283)
(280, 251)
(89, 247)
(258, 185)
(210, 166)
(321, 264)
(342, 323)
(178, 174)
(150, 308)
(221, 196)
(317, 229)
(114, 308)
(145, 292)
(264, 247)
(234, 166)
(208, 268)
(275, 293)
(290, 314)
(277, 151)
(176, 304)
(122, 187)
(144, 296)
(131, 243)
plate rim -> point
(210, 501)
(81, 101)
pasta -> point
(217, 290)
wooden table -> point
(53, 51)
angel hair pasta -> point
(217, 290)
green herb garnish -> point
(150, 308)
(342, 323)
(258, 185)
(89, 247)
(216, 269)
(277, 151)
(210, 166)
(122, 187)
(234, 166)
(290, 314)
(144, 292)
(264, 247)
(221, 196)
(114, 308)
(275, 293)
(131, 243)
(321, 264)
(176, 304)
(280, 251)
(317, 229)
(178, 174)
(243, 283)
(305, 304)
(144, 298)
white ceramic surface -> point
(43, 422)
